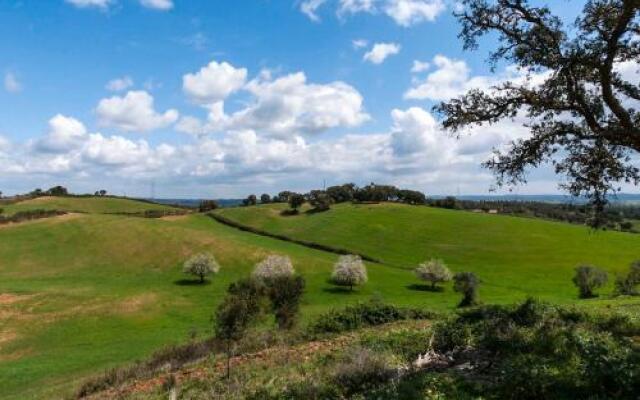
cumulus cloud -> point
(405, 13)
(380, 51)
(119, 84)
(162, 5)
(133, 112)
(101, 4)
(65, 133)
(214, 82)
(11, 83)
(278, 107)
(411, 12)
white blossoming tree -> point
(434, 271)
(201, 265)
(272, 267)
(349, 271)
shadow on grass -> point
(425, 288)
(339, 290)
(191, 282)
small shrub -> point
(434, 271)
(467, 283)
(628, 285)
(201, 265)
(589, 278)
(349, 271)
(272, 267)
(371, 313)
(362, 370)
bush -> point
(201, 265)
(434, 271)
(628, 285)
(588, 278)
(285, 293)
(320, 200)
(273, 266)
(363, 370)
(467, 283)
(349, 271)
(370, 313)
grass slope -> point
(514, 257)
(81, 293)
(98, 205)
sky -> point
(204, 98)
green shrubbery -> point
(371, 313)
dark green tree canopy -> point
(583, 115)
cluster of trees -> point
(436, 271)
(321, 200)
(54, 191)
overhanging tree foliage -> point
(582, 114)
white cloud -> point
(11, 83)
(119, 84)
(133, 112)
(356, 6)
(309, 8)
(65, 133)
(411, 12)
(213, 82)
(162, 5)
(380, 51)
(101, 4)
(359, 43)
(420, 66)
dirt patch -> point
(6, 336)
(8, 298)
(137, 303)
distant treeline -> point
(618, 216)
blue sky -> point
(282, 95)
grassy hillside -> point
(514, 257)
(81, 293)
(98, 205)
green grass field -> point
(514, 257)
(81, 293)
(97, 205)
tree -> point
(207, 205)
(284, 196)
(349, 271)
(320, 200)
(272, 267)
(342, 193)
(251, 200)
(233, 318)
(265, 198)
(628, 285)
(412, 197)
(57, 191)
(580, 107)
(434, 271)
(466, 283)
(588, 278)
(285, 293)
(296, 200)
(201, 265)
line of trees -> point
(321, 200)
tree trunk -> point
(201, 278)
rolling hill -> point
(514, 257)
(81, 293)
(95, 205)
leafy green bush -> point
(370, 313)
(589, 278)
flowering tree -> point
(201, 265)
(434, 271)
(272, 267)
(349, 271)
